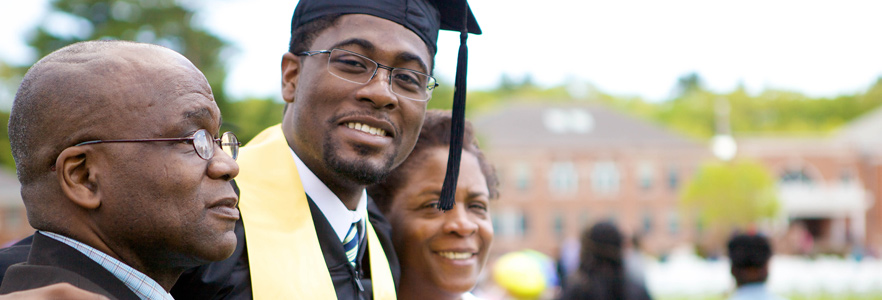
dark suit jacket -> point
(51, 262)
(17, 253)
(229, 279)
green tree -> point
(168, 23)
(165, 22)
(9, 79)
(689, 83)
(729, 195)
(249, 117)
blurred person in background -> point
(749, 255)
(441, 253)
(568, 262)
(635, 262)
(601, 273)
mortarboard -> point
(425, 18)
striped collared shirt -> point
(143, 286)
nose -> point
(222, 166)
(378, 90)
(459, 222)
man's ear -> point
(290, 73)
(76, 176)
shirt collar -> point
(142, 285)
(340, 217)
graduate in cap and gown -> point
(356, 81)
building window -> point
(559, 224)
(647, 223)
(673, 223)
(673, 177)
(793, 176)
(522, 175)
(846, 177)
(511, 223)
(645, 174)
(560, 121)
(605, 177)
(563, 178)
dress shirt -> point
(340, 217)
(143, 286)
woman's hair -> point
(435, 133)
(601, 270)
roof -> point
(535, 125)
(864, 131)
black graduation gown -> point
(51, 262)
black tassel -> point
(457, 126)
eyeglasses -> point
(357, 68)
(201, 140)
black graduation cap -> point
(425, 18)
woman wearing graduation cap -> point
(441, 253)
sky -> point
(622, 47)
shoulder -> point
(27, 277)
(377, 219)
(14, 254)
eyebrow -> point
(477, 194)
(367, 45)
(432, 193)
(410, 57)
(198, 116)
(200, 113)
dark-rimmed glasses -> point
(201, 140)
(357, 68)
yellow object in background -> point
(521, 274)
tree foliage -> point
(162, 22)
(168, 23)
(249, 117)
(732, 194)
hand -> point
(56, 291)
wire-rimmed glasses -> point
(201, 140)
(357, 68)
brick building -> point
(565, 166)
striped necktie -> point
(350, 243)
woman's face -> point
(442, 250)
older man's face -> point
(160, 198)
(336, 122)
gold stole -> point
(284, 255)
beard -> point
(360, 171)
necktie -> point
(350, 243)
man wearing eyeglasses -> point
(124, 173)
(356, 79)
